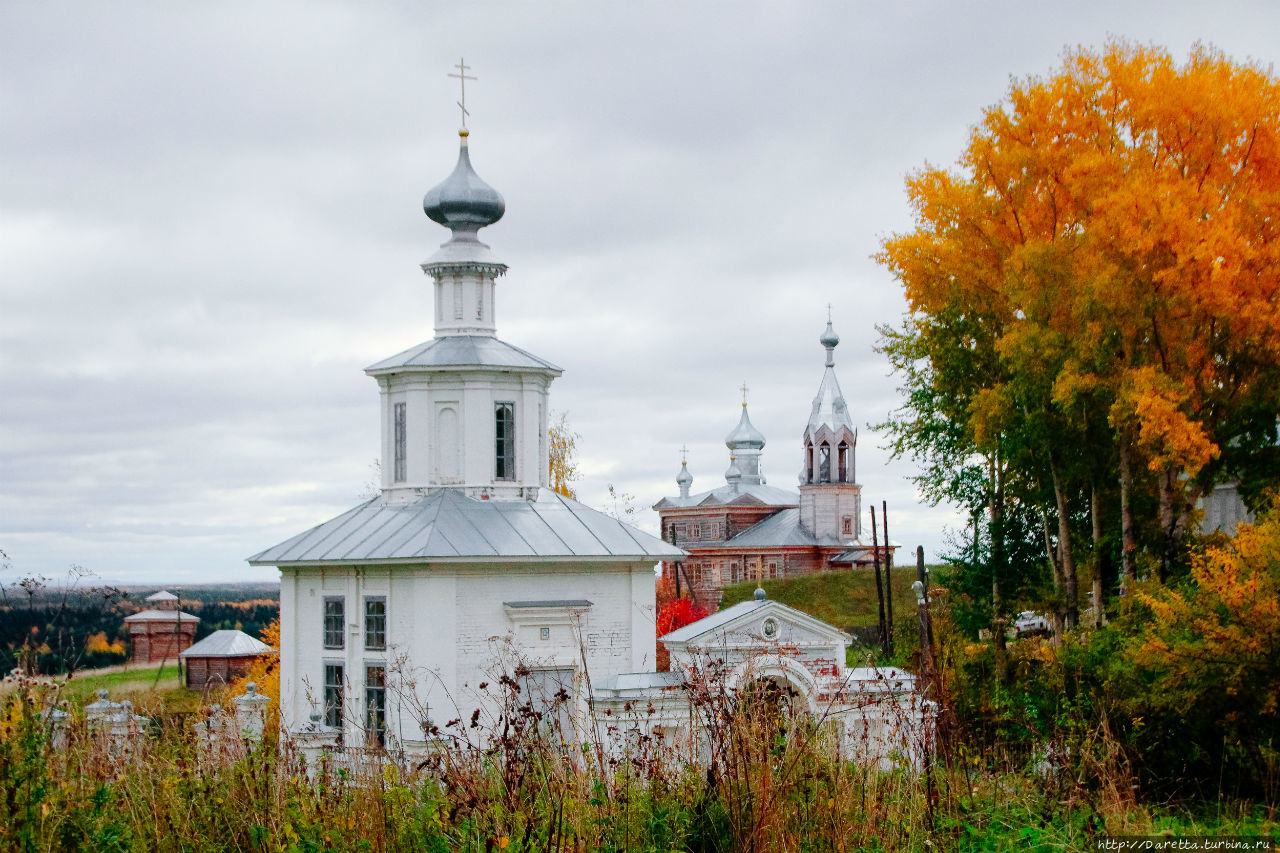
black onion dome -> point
(462, 201)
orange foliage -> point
(99, 643)
(1118, 223)
(265, 670)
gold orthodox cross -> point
(684, 454)
(462, 78)
(743, 389)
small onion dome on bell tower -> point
(463, 202)
(684, 479)
(760, 594)
(830, 340)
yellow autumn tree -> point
(1218, 641)
(265, 670)
(562, 446)
(1110, 234)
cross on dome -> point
(462, 78)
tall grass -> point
(773, 781)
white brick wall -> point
(447, 631)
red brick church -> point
(747, 529)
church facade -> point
(395, 614)
(748, 530)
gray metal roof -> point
(226, 644)
(161, 616)
(162, 595)
(641, 681)
(454, 351)
(445, 524)
(747, 493)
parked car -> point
(1030, 622)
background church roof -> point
(746, 493)
(162, 595)
(446, 524)
(463, 351)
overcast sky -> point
(210, 222)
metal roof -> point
(719, 620)
(746, 493)
(454, 351)
(162, 616)
(225, 644)
(162, 595)
(446, 524)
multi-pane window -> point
(334, 618)
(333, 695)
(846, 526)
(375, 623)
(504, 421)
(375, 705)
(401, 442)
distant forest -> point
(53, 628)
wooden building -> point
(161, 632)
(221, 657)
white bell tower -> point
(464, 410)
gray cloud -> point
(210, 222)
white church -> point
(396, 614)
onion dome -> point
(684, 479)
(830, 340)
(733, 475)
(760, 594)
(462, 202)
(744, 436)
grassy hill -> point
(843, 599)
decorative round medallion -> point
(770, 628)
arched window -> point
(824, 463)
(844, 462)
(808, 462)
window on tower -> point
(400, 442)
(824, 463)
(505, 441)
(844, 462)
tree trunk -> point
(1129, 542)
(1071, 608)
(1055, 569)
(1095, 513)
(996, 512)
